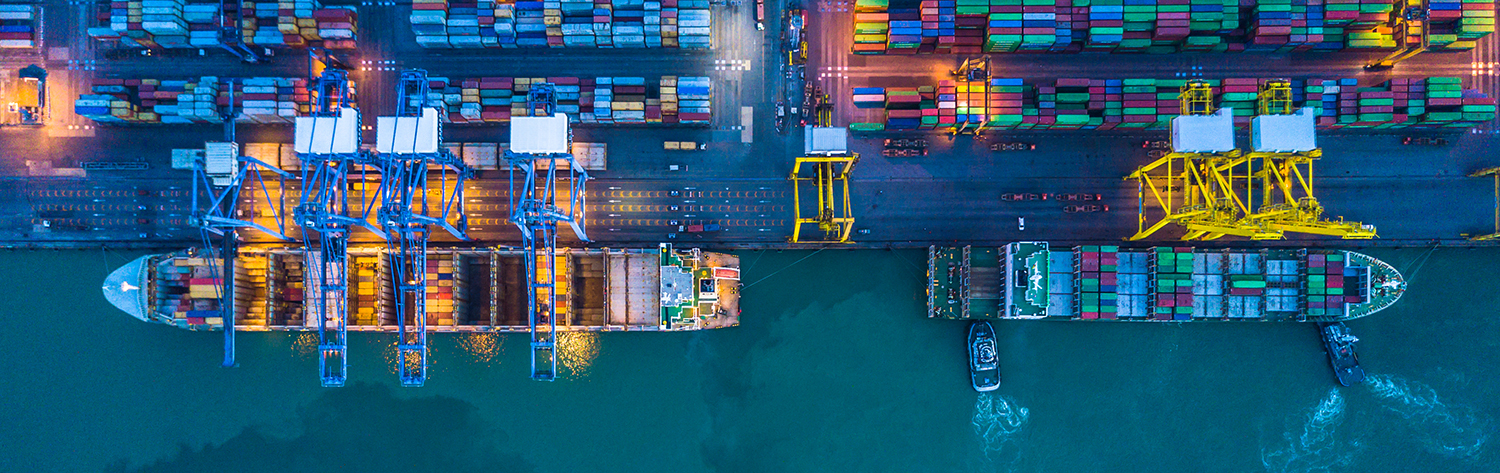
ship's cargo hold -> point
(1161, 26)
(684, 24)
(1103, 104)
(267, 100)
(467, 290)
(199, 23)
(1030, 280)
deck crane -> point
(828, 164)
(1408, 15)
(1196, 184)
(550, 190)
(1284, 146)
(327, 143)
(222, 175)
(410, 148)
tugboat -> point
(984, 366)
(1340, 345)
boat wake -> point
(1449, 430)
(997, 422)
(1315, 448)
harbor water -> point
(834, 368)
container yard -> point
(1030, 280)
(587, 100)
(264, 100)
(669, 24)
(469, 290)
(1161, 26)
(172, 24)
(1094, 104)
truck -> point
(683, 145)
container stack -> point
(440, 281)
(366, 290)
(17, 26)
(695, 100)
(694, 24)
(1097, 281)
(1174, 284)
(270, 100)
(188, 289)
(1152, 103)
(297, 23)
(591, 156)
(872, 31)
(562, 24)
(1325, 285)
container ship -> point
(1029, 280)
(469, 290)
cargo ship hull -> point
(1030, 280)
(469, 290)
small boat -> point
(1340, 345)
(984, 366)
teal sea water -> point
(835, 368)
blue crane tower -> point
(410, 152)
(327, 143)
(222, 175)
(538, 203)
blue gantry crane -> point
(546, 188)
(327, 143)
(411, 152)
(220, 177)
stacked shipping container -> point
(198, 23)
(597, 100)
(146, 101)
(1158, 26)
(681, 24)
(17, 26)
(1094, 104)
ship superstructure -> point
(1031, 280)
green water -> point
(834, 369)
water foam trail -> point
(1450, 430)
(997, 421)
(1315, 448)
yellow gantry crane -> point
(1493, 172)
(1209, 187)
(1283, 143)
(1195, 184)
(829, 176)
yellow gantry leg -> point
(835, 215)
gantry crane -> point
(538, 203)
(222, 175)
(1196, 184)
(974, 72)
(1283, 149)
(1493, 172)
(827, 162)
(327, 143)
(410, 149)
(230, 36)
(1407, 15)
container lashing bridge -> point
(327, 143)
(546, 188)
(222, 175)
(409, 147)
